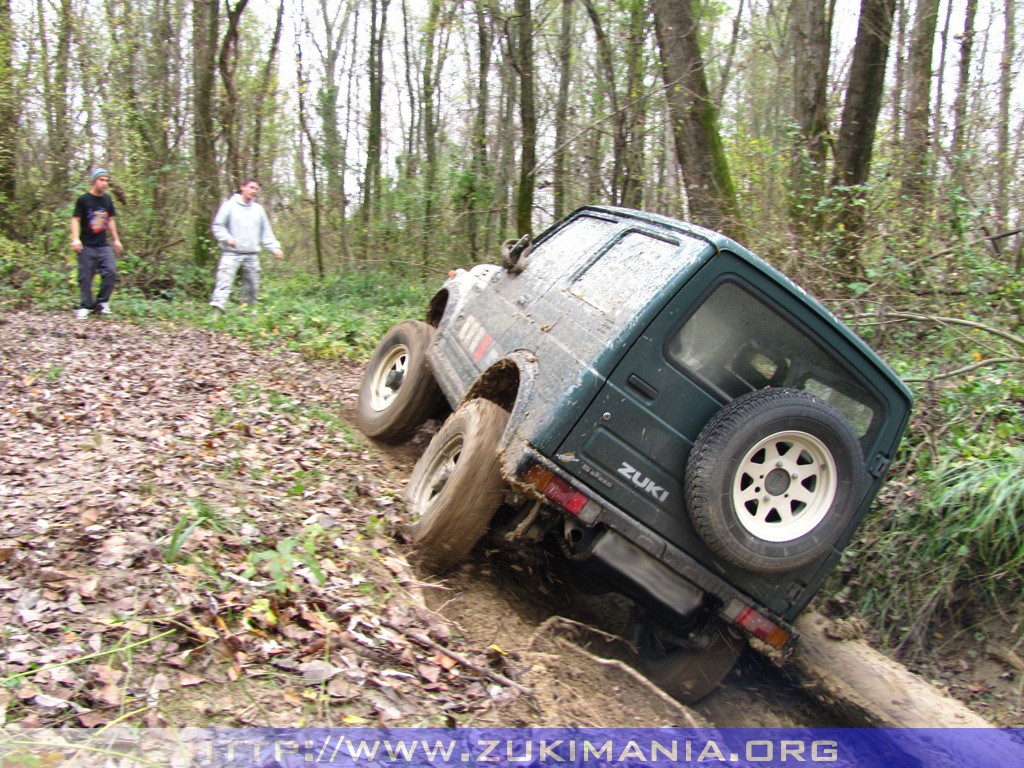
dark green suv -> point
(696, 431)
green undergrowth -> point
(343, 315)
(944, 543)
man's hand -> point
(278, 254)
(117, 247)
(231, 242)
(76, 245)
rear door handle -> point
(642, 386)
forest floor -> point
(193, 534)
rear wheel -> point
(687, 668)
(398, 392)
(456, 486)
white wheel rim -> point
(784, 486)
(435, 479)
(394, 366)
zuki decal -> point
(643, 483)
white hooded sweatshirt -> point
(247, 223)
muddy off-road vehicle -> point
(695, 431)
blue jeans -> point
(93, 259)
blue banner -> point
(515, 748)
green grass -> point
(343, 315)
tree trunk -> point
(940, 74)
(610, 91)
(9, 121)
(899, 81)
(505, 168)
(479, 196)
(58, 102)
(694, 117)
(205, 33)
(916, 133)
(562, 106)
(313, 155)
(958, 145)
(523, 55)
(263, 94)
(730, 55)
(371, 180)
(1004, 172)
(227, 63)
(431, 75)
(335, 31)
(636, 107)
(857, 131)
(811, 39)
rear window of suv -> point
(736, 343)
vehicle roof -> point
(723, 243)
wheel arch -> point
(508, 383)
(437, 306)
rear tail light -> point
(555, 489)
(758, 625)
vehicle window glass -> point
(569, 246)
(738, 344)
(632, 271)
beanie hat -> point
(97, 173)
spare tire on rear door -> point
(774, 479)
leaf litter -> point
(193, 535)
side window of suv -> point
(735, 343)
(569, 246)
(633, 269)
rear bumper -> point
(665, 576)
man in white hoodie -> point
(242, 228)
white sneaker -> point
(104, 308)
(82, 314)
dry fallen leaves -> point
(140, 467)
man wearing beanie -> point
(242, 228)
(92, 219)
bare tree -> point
(565, 48)
(314, 155)
(375, 69)
(694, 117)
(610, 91)
(435, 51)
(227, 64)
(205, 34)
(333, 21)
(811, 40)
(8, 119)
(1003, 152)
(55, 74)
(915, 181)
(479, 195)
(521, 50)
(957, 146)
(263, 95)
(860, 118)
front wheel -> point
(687, 668)
(398, 392)
(456, 486)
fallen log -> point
(867, 688)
